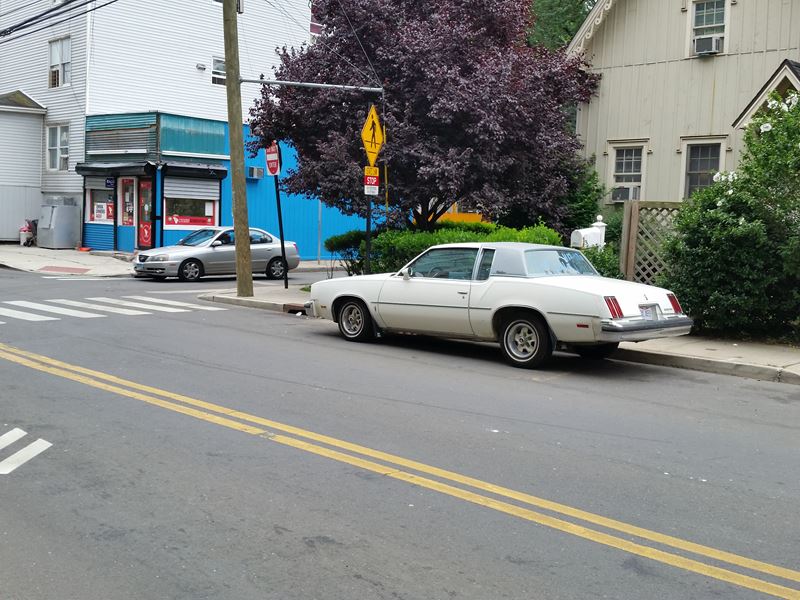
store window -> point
(189, 212)
(127, 201)
(100, 206)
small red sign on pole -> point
(371, 181)
(273, 160)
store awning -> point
(116, 169)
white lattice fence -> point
(646, 227)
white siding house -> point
(125, 57)
(679, 78)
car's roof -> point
(509, 245)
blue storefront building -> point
(152, 178)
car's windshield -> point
(198, 237)
(541, 263)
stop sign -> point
(273, 160)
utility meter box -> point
(59, 223)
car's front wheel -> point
(276, 269)
(525, 340)
(355, 322)
(596, 352)
(190, 270)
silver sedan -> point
(212, 251)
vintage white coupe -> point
(530, 298)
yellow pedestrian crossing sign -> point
(372, 136)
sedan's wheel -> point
(355, 322)
(276, 268)
(597, 352)
(190, 270)
(525, 341)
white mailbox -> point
(590, 236)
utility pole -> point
(241, 226)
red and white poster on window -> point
(183, 220)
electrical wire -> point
(42, 16)
(353, 29)
(85, 12)
(327, 47)
(19, 8)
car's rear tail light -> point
(614, 307)
(676, 306)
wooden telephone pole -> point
(241, 226)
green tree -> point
(557, 21)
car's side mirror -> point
(406, 273)
(216, 243)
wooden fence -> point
(644, 230)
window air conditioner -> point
(623, 193)
(708, 45)
(255, 173)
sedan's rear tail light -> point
(614, 307)
(676, 306)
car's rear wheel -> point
(596, 352)
(525, 340)
(190, 270)
(355, 322)
(276, 268)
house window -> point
(708, 27)
(60, 63)
(218, 71)
(58, 148)
(627, 173)
(702, 162)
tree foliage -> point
(735, 257)
(472, 113)
(557, 21)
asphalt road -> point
(241, 454)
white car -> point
(530, 298)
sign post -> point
(372, 138)
(274, 169)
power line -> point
(19, 8)
(327, 47)
(38, 18)
(344, 12)
(85, 12)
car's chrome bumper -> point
(637, 330)
(158, 268)
(311, 309)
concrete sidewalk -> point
(745, 359)
(93, 263)
(753, 360)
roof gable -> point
(592, 23)
(19, 101)
(786, 76)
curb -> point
(709, 365)
(287, 307)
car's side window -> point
(257, 237)
(485, 266)
(445, 263)
(226, 238)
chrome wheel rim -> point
(352, 320)
(191, 270)
(521, 341)
(276, 269)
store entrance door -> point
(144, 222)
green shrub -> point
(393, 249)
(475, 227)
(734, 257)
(346, 247)
(605, 260)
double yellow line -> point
(400, 468)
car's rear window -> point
(549, 262)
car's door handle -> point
(463, 293)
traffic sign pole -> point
(275, 171)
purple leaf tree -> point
(472, 113)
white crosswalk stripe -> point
(111, 309)
(69, 312)
(18, 314)
(174, 303)
(20, 458)
(12, 436)
(169, 309)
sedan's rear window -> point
(548, 262)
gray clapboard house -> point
(680, 79)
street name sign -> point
(372, 136)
